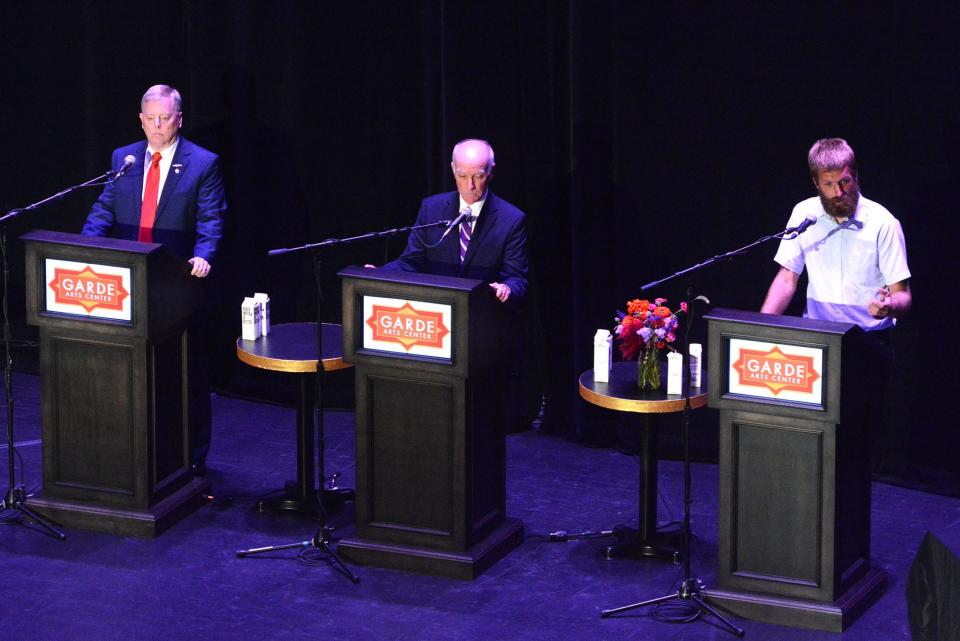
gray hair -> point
(831, 154)
(158, 92)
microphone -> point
(802, 227)
(127, 164)
(465, 214)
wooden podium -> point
(113, 319)
(794, 541)
(431, 355)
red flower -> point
(630, 342)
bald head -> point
(473, 151)
(472, 167)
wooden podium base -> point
(835, 616)
(466, 565)
(144, 523)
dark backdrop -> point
(639, 139)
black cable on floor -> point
(681, 611)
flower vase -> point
(648, 369)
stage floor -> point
(189, 583)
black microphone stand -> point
(16, 496)
(323, 536)
(687, 602)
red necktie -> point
(148, 211)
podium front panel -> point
(91, 401)
(777, 525)
(431, 457)
(409, 435)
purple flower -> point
(645, 333)
(660, 332)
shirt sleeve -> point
(790, 252)
(892, 252)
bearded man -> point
(855, 254)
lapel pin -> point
(176, 168)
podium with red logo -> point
(431, 356)
(794, 540)
(113, 319)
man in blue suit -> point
(187, 216)
(172, 194)
(490, 246)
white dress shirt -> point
(166, 159)
(475, 208)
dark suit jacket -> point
(190, 211)
(497, 250)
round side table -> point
(292, 348)
(621, 394)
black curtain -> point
(639, 139)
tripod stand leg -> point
(325, 547)
(709, 608)
(606, 613)
(272, 548)
(39, 520)
(14, 500)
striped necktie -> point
(465, 232)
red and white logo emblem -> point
(407, 326)
(776, 371)
(88, 289)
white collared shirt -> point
(475, 208)
(846, 262)
(166, 159)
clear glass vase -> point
(648, 369)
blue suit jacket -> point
(497, 250)
(190, 211)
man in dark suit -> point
(490, 245)
(171, 194)
(186, 212)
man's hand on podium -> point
(201, 268)
(501, 291)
